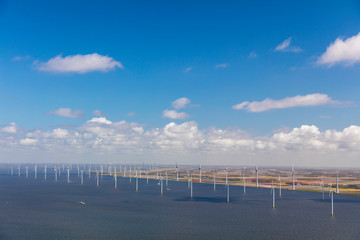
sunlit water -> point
(39, 209)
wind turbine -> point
(147, 176)
(130, 174)
(200, 173)
(293, 177)
(35, 171)
(257, 175)
(97, 178)
(45, 171)
(11, 171)
(55, 171)
(337, 183)
(19, 170)
(177, 173)
(78, 170)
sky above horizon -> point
(193, 82)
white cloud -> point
(188, 69)
(345, 51)
(285, 46)
(315, 99)
(11, 128)
(174, 114)
(180, 103)
(28, 141)
(79, 64)
(67, 112)
(222, 65)
(98, 113)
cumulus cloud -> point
(180, 103)
(98, 113)
(345, 51)
(11, 128)
(285, 46)
(315, 99)
(222, 65)
(67, 112)
(79, 64)
(173, 114)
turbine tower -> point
(35, 171)
(97, 178)
(199, 173)
(293, 177)
(11, 171)
(226, 176)
(323, 190)
(26, 172)
(191, 187)
(19, 170)
(228, 193)
(331, 195)
(273, 196)
(177, 173)
(279, 186)
(257, 176)
(115, 178)
(45, 171)
(55, 170)
(214, 177)
(337, 183)
(68, 174)
(82, 177)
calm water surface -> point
(36, 209)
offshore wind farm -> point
(160, 189)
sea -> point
(38, 209)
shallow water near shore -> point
(44, 209)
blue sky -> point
(215, 53)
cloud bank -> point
(309, 100)
(79, 64)
(100, 136)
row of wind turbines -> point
(140, 170)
